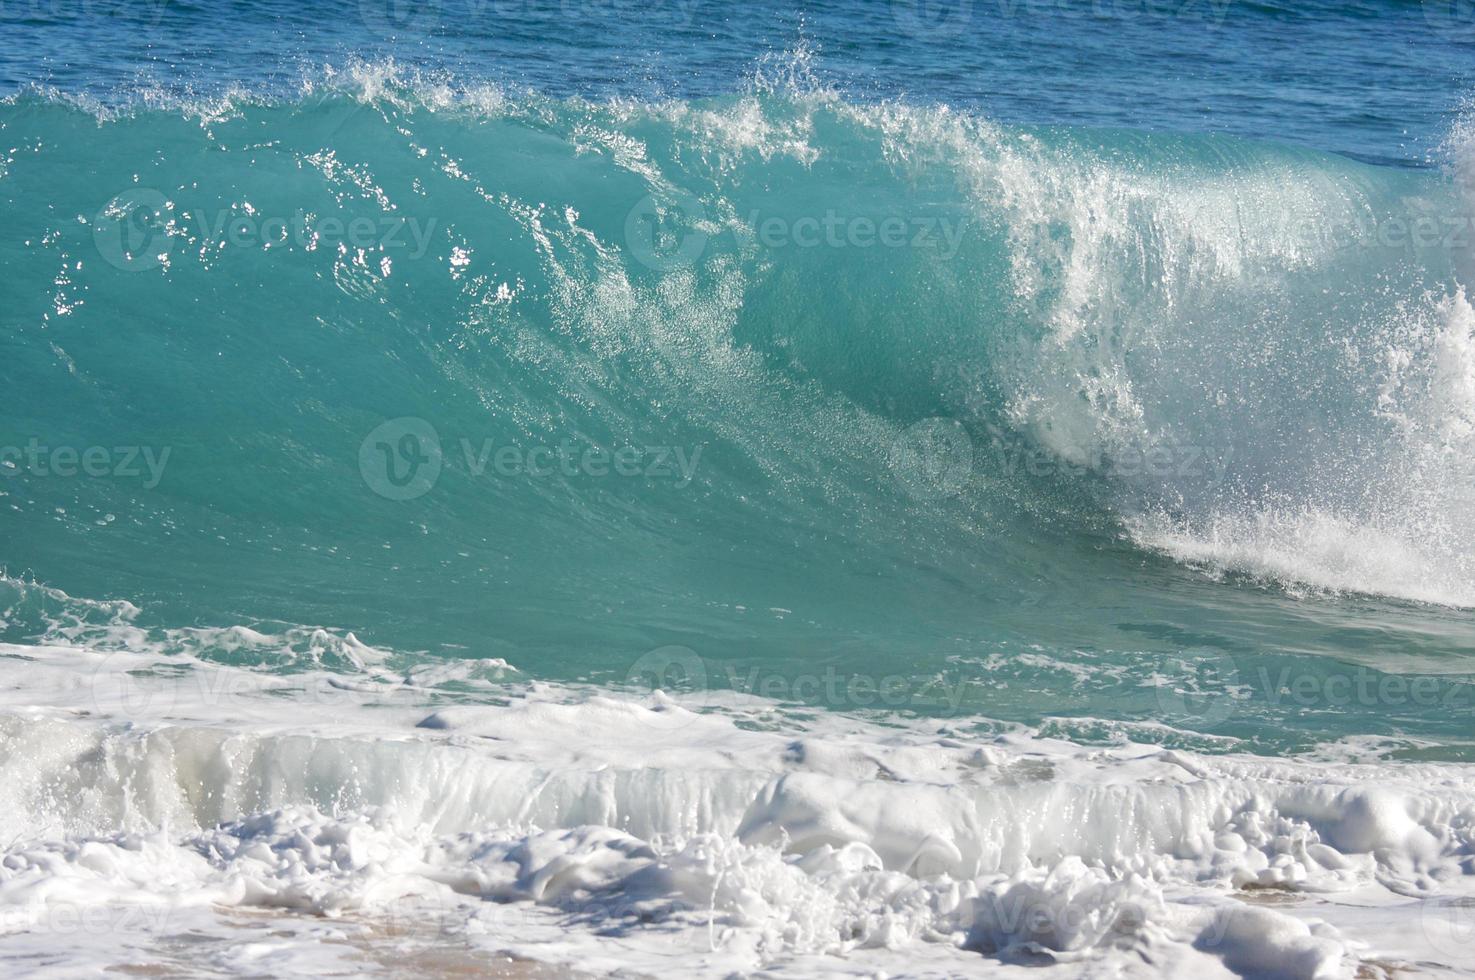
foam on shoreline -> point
(147, 794)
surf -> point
(761, 528)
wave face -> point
(779, 378)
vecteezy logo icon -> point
(401, 459)
(932, 458)
(1450, 16)
(671, 670)
(1448, 924)
(399, 16)
(121, 688)
(1198, 689)
(408, 905)
(666, 235)
(131, 231)
(932, 20)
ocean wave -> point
(1196, 326)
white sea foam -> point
(335, 812)
(1309, 549)
(1407, 531)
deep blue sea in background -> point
(1379, 81)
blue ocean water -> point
(1100, 366)
(1379, 81)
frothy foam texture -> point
(1310, 550)
(457, 818)
(1407, 532)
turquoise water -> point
(867, 381)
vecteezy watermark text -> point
(1450, 232)
(403, 458)
(140, 228)
(1205, 688)
(147, 12)
(61, 917)
(1012, 455)
(679, 670)
(40, 459)
(935, 233)
(937, 457)
(673, 232)
(940, 19)
(395, 17)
